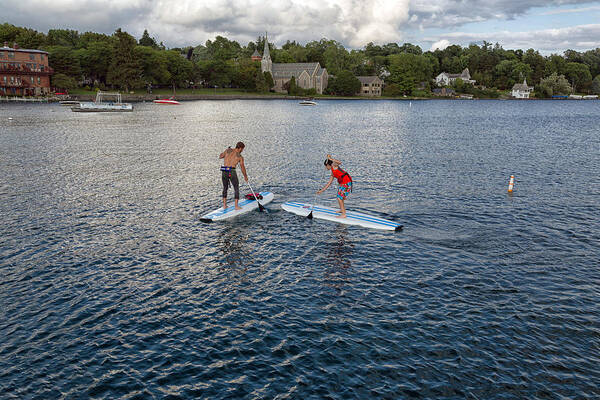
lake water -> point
(111, 287)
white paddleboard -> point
(230, 211)
(330, 214)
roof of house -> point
(522, 87)
(5, 48)
(368, 79)
(287, 70)
(256, 53)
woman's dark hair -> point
(240, 145)
(328, 162)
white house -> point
(445, 79)
(521, 90)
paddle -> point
(310, 216)
(260, 206)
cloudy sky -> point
(550, 26)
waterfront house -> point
(307, 75)
(23, 72)
(521, 90)
(445, 79)
(370, 86)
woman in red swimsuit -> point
(344, 181)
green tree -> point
(596, 85)
(553, 85)
(578, 75)
(64, 60)
(95, 60)
(154, 65)
(555, 64)
(537, 63)
(344, 84)
(125, 70)
(63, 37)
(408, 69)
(223, 49)
(180, 69)
(62, 81)
(269, 80)
(146, 40)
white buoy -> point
(10, 118)
(511, 184)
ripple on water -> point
(112, 288)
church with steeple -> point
(307, 75)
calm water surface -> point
(111, 287)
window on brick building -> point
(11, 54)
(32, 56)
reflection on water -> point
(236, 252)
(339, 248)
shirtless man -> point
(231, 158)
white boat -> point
(68, 102)
(575, 97)
(308, 103)
(105, 102)
(590, 97)
(166, 101)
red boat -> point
(166, 101)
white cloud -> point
(440, 45)
(582, 37)
(354, 23)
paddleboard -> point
(230, 211)
(330, 214)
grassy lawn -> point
(169, 92)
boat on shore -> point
(68, 102)
(105, 102)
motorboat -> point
(308, 103)
(166, 101)
(105, 102)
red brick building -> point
(23, 72)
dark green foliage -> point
(93, 58)
(62, 81)
(553, 85)
(148, 41)
(344, 84)
(125, 69)
(596, 85)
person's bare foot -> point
(341, 215)
(238, 207)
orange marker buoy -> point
(511, 184)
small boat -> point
(105, 102)
(308, 103)
(575, 97)
(68, 102)
(590, 97)
(166, 101)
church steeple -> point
(266, 64)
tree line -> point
(124, 62)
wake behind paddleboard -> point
(330, 214)
(230, 211)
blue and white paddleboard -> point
(330, 214)
(230, 211)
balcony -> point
(24, 70)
